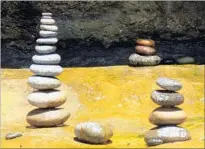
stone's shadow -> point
(80, 141)
(34, 127)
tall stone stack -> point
(145, 54)
(45, 95)
(168, 116)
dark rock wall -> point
(103, 32)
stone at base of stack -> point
(47, 98)
(167, 117)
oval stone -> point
(93, 132)
(47, 117)
(145, 50)
(46, 17)
(49, 27)
(166, 134)
(186, 60)
(46, 70)
(169, 84)
(47, 33)
(138, 60)
(167, 116)
(146, 42)
(13, 135)
(47, 21)
(47, 40)
(167, 98)
(47, 59)
(43, 83)
(47, 14)
(45, 49)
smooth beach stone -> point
(167, 98)
(169, 84)
(43, 83)
(47, 117)
(13, 135)
(47, 98)
(47, 59)
(45, 49)
(93, 132)
(47, 21)
(46, 14)
(166, 134)
(145, 50)
(146, 42)
(46, 17)
(167, 116)
(138, 60)
(47, 40)
(49, 27)
(47, 33)
(46, 70)
(186, 60)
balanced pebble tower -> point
(145, 54)
(168, 116)
(46, 95)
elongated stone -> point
(45, 49)
(46, 70)
(169, 84)
(47, 33)
(47, 21)
(47, 59)
(43, 83)
(49, 27)
(47, 40)
(146, 42)
(47, 14)
(46, 17)
(13, 135)
(145, 50)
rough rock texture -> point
(102, 32)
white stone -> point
(47, 33)
(47, 14)
(47, 59)
(47, 40)
(46, 17)
(49, 27)
(169, 84)
(47, 21)
(43, 83)
(46, 70)
(45, 49)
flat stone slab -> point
(47, 59)
(49, 27)
(43, 83)
(47, 21)
(45, 49)
(169, 84)
(44, 33)
(46, 40)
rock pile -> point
(45, 95)
(145, 54)
(168, 116)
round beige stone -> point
(49, 27)
(145, 50)
(146, 42)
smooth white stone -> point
(46, 70)
(43, 83)
(45, 49)
(47, 40)
(47, 14)
(49, 27)
(47, 21)
(47, 59)
(47, 17)
(47, 33)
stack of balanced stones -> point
(145, 54)
(46, 95)
(168, 116)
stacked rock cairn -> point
(45, 95)
(145, 54)
(168, 116)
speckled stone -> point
(93, 132)
(47, 117)
(47, 59)
(49, 27)
(46, 70)
(43, 83)
(47, 40)
(47, 33)
(13, 135)
(139, 60)
(167, 98)
(166, 134)
(145, 50)
(47, 98)
(47, 21)
(47, 14)
(169, 84)
(45, 49)
(167, 116)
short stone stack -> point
(145, 54)
(45, 95)
(168, 116)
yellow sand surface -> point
(117, 95)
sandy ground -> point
(118, 96)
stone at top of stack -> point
(46, 68)
(145, 54)
(167, 116)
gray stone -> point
(47, 33)
(166, 134)
(47, 59)
(13, 135)
(47, 40)
(49, 27)
(167, 98)
(169, 84)
(46, 14)
(138, 60)
(45, 49)
(186, 60)
(43, 83)
(47, 21)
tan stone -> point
(145, 50)
(146, 42)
